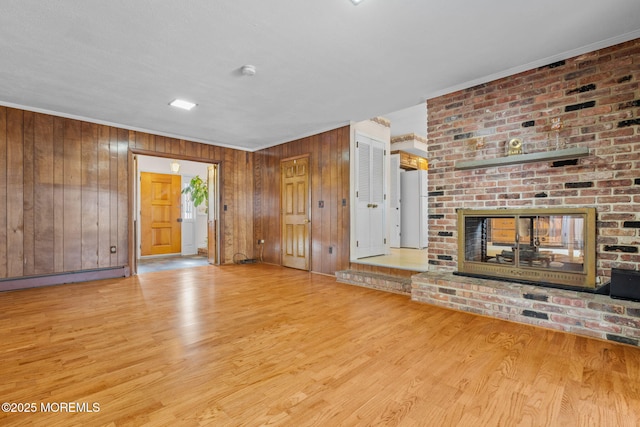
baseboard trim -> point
(15, 283)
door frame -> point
(134, 190)
(134, 194)
(309, 206)
(194, 220)
(213, 213)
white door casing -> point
(394, 201)
(188, 213)
(213, 214)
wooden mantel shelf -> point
(569, 153)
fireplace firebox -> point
(545, 246)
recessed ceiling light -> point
(356, 2)
(181, 103)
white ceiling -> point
(320, 64)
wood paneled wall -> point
(64, 192)
(329, 160)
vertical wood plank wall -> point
(329, 164)
(64, 192)
(64, 199)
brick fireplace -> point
(596, 97)
(588, 104)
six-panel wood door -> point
(295, 213)
(160, 226)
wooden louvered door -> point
(295, 215)
(370, 197)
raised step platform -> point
(380, 282)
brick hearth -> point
(380, 282)
(580, 313)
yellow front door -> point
(160, 227)
(295, 213)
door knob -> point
(307, 221)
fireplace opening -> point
(549, 247)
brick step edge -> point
(377, 281)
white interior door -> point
(189, 246)
(370, 220)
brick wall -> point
(596, 98)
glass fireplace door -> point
(551, 241)
(539, 244)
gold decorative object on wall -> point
(556, 126)
(515, 147)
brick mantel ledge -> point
(580, 313)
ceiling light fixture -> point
(175, 166)
(356, 2)
(248, 70)
(181, 103)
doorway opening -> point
(170, 230)
(376, 188)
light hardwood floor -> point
(263, 345)
(400, 258)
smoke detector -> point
(248, 70)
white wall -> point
(409, 120)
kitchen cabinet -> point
(410, 161)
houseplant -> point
(198, 192)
